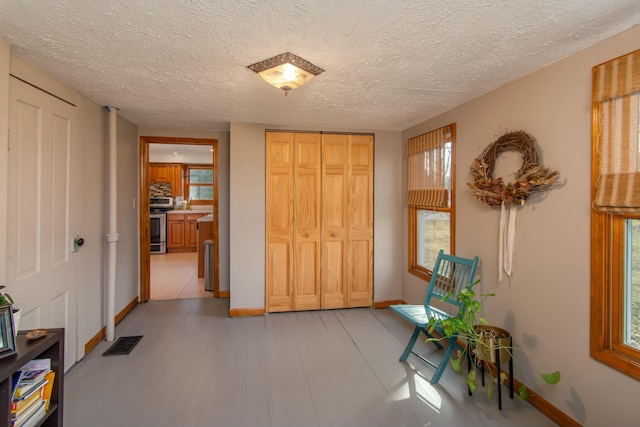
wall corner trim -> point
(103, 332)
(240, 312)
(386, 304)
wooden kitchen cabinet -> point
(192, 230)
(175, 177)
(182, 231)
(167, 172)
(159, 172)
(175, 232)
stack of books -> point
(31, 393)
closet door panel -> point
(279, 150)
(307, 153)
(360, 269)
(333, 275)
(307, 283)
(360, 235)
(279, 216)
(279, 279)
(279, 223)
(334, 220)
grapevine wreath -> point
(531, 178)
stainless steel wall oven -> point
(158, 232)
(158, 215)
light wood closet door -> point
(360, 222)
(347, 221)
(307, 221)
(279, 222)
(335, 203)
(319, 220)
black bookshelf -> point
(50, 346)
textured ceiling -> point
(390, 64)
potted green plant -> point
(469, 326)
(5, 299)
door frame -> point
(145, 254)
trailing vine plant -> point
(465, 327)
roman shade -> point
(616, 96)
(428, 161)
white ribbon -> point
(507, 243)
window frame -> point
(621, 291)
(188, 184)
(608, 256)
(413, 266)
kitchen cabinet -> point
(175, 177)
(159, 172)
(167, 172)
(175, 232)
(192, 230)
(182, 231)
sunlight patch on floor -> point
(416, 386)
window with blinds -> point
(617, 94)
(429, 169)
(430, 197)
(615, 217)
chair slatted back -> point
(450, 275)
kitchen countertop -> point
(188, 211)
(206, 218)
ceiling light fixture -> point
(286, 71)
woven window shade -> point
(617, 90)
(427, 168)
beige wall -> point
(545, 304)
(247, 208)
(91, 218)
(128, 258)
(223, 190)
(4, 131)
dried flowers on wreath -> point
(531, 178)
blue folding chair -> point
(450, 275)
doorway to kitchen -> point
(178, 218)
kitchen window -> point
(199, 184)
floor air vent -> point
(123, 345)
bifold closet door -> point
(292, 221)
(319, 221)
(360, 222)
(347, 221)
(306, 221)
(279, 222)
(335, 209)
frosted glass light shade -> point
(286, 71)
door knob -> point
(77, 243)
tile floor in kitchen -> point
(174, 276)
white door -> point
(41, 217)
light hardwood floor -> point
(195, 366)
(174, 276)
